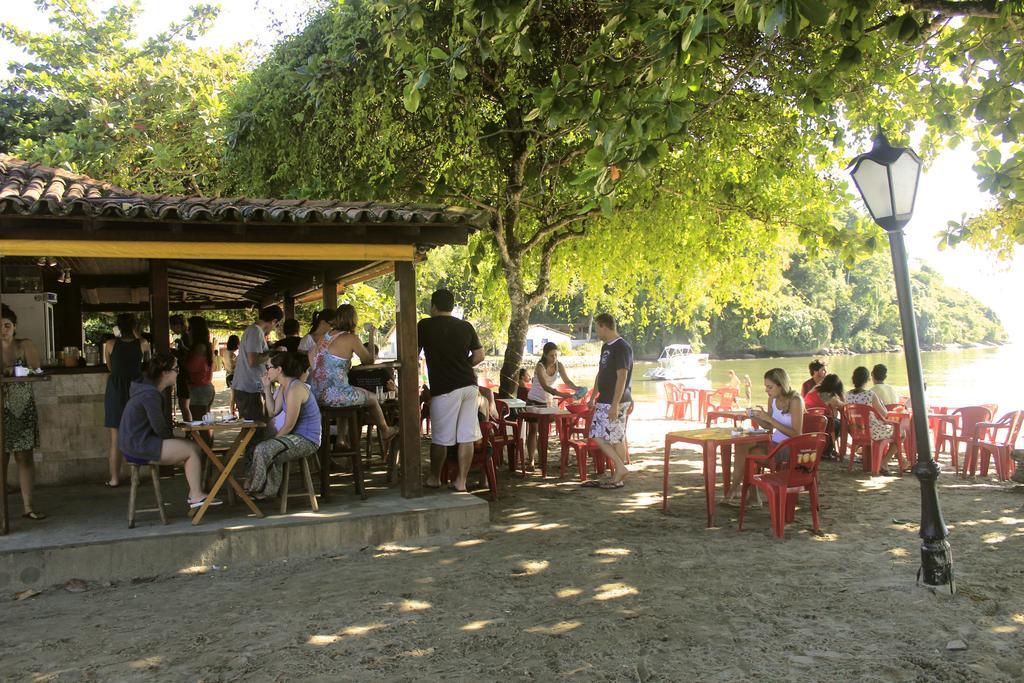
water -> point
(954, 378)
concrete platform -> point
(86, 534)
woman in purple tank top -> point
(295, 418)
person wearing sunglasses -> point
(145, 436)
(295, 418)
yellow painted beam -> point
(209, 250)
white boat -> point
(678, 361)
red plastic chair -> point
(815, 423)
(722, 399)
(857, 423)
(584, 447)
(902, 420)
(798, 473)
(482, 459)
(506, 436)
(963, 432)
(580, 443)
(987, 444)
(678, 401)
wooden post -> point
(330, 292)
(159, 305)
(408, 380)
(5, 525)
(160, 328)
(289, 305)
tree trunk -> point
(517, 327)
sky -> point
(948, 188)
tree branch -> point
(544, 272)
(550, 229)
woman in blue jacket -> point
(145, 436)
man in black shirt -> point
(611, 399)
(452, 349)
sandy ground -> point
(577, 584)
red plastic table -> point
(543, 417)
(710, 441)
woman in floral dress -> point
(329, 364)
(21, 422)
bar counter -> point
(73, 443)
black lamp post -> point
(887, 180)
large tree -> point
(672, 144)
(94, 97)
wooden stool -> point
(352, 417)
(154, 474)
(307, 479)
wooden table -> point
(710, 441)
(5, 519)
(246, 430)
(543, 417)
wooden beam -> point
(159, 311)
(408, 381)
(228, 251)
(109, 307)
(289, 305)
(330, 291)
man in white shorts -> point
(611, 400)
(452, 349)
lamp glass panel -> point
(873, 182)
(905, 173)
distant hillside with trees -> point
(824, 305)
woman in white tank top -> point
(545, 375)
(786, 419)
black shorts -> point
(181, 386)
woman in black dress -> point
(123, 357)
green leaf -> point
(595, 99)
(438, 53)
(411, 100)
(458, 70)
(607, 206)
(422, 81)
(416, 21)
(532, 114)
(594, 157)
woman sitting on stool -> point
(296, 419)
(145, 437)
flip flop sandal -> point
(611, 485)
(112, 486)
(34, 515)
(196, 504)
(591, 484)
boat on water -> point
(678, 361)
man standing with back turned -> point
(613, 399)
(452, 349)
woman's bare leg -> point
(26, 478)
(387, 433)
(178, 451)
(739, 464)
(114, 460)
(531, 443)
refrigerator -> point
(35, 321)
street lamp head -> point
(887, 180)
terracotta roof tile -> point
(32, 189)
